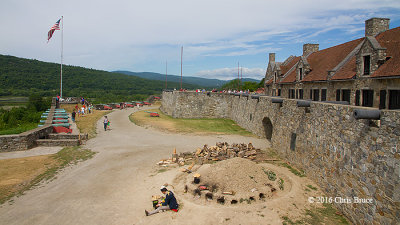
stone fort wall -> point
(347, 157)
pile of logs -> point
(221, 151)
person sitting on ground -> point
(169, 203)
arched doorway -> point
(268, 128)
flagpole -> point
(181, 65)
(62, 46)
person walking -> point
(169, 203)
(105, 122)
(73, 116)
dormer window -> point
(367, 64)
(275, 77)
(300, 73)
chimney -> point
(375, 26)
(271, 57)
(310, 48)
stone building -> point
(363, 72)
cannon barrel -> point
(303, 103)
(63, 117)
(338, 102)
(61, 125)
(63, 121)
(374, 114)
(277, 100)
(255, 96)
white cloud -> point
(130, 33)
(232, 73)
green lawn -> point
(198, 126)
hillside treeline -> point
(247, 85)
(24, 77)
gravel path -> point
(116, 185)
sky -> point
(216, 35)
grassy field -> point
(86, 123)
(10, 102)
(20, 129)
(21, 174)
(195, 126)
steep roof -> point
(390, 40)
(326, 60)
(270, 81)
(291, 76)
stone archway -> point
(268, 128)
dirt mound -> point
(234, 181)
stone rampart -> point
(349, 158)
(27, 140)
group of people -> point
(86, 108)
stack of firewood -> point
(221, 151)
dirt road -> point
(115, 186)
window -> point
(300, 93)
(367, 64)
(273, 92)
(346, 95)
(337, 94)
(368, 98)
(291, 93)
(382, 99)
(394, 99)
(275, 77)
(300, 73)
(297, 93)
(279, 92)
(315, 95)
(310, 94)
(323, 95)
(357, 98)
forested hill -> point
(204, 82)
(214, 83)
(23, 77)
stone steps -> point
(57, 142)
(63, 136)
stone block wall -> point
(26, 140)
(347, 157)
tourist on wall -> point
(73, 116)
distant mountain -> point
(203, 82)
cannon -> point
(61, 125)
(338, 102)
(63, 117)
(303, 103)
(373, 114)
(255, 97)
(277, 100)
(60, 121)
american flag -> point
(52, 29)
